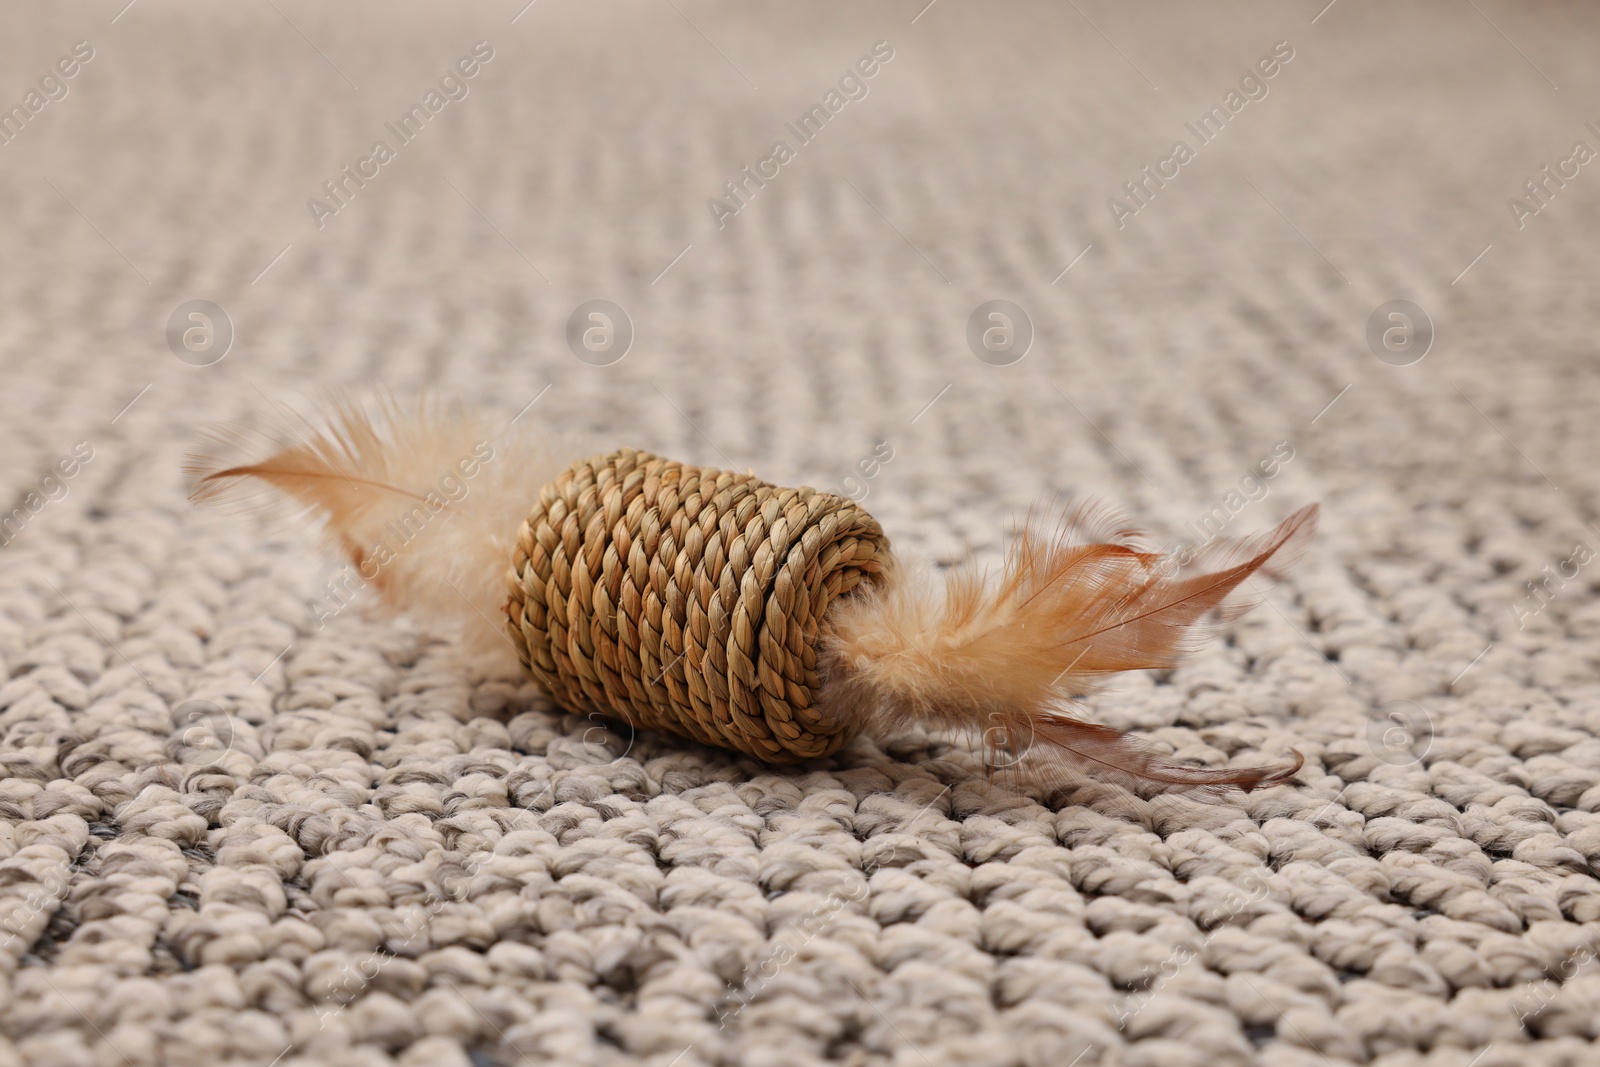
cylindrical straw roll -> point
(689, 599)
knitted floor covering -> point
(246, 819)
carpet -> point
(1251, 256)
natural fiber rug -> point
(248, 821)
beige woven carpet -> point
(232, 835)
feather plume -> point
(1073, 605)
(422, 499)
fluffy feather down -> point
(424, 500)
(1073, 605)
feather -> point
(423, 500)
(1073, 605)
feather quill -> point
(1078, 600)
(423, 499)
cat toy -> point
(720, 607)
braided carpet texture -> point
(246, 820)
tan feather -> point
(1073, 605)
(423, 500)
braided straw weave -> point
(688, 599)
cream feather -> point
(423, 499)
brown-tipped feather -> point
(1004, 658)
(1092, 743)
(423, 499)
(342, 469)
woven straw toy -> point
(717, 606)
